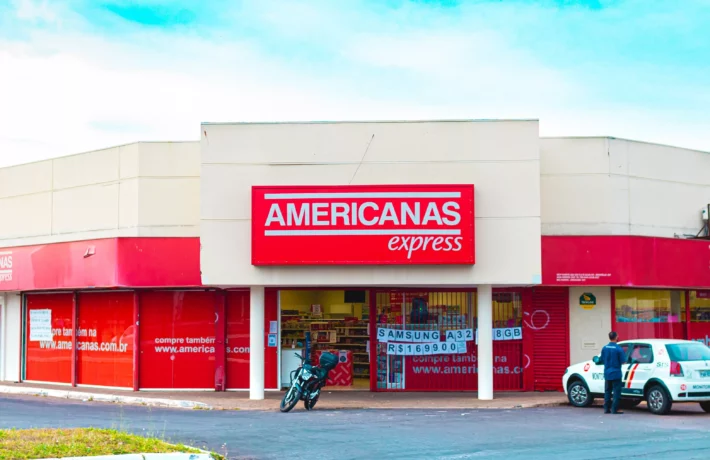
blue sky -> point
(77, 75)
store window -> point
(650, 313)
(507, 310)
(700, 306)
(649, 306)
(426, 311)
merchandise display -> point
(334, 325)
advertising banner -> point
(177, 339)
(105, 339)
(624, 261)
(49, 354)
(363, 225)
(459, 371)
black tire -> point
(706, 406)
(578, 394)
(309, 404)
(658, 400)
(629, 403)
(290, 399)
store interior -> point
(338, 322)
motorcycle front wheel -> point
(310, 403)
(290, 399)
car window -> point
(690, 351)
(626, 347)
(642, 354)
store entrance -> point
(327, 320)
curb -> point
(108, 398)
(362, 407)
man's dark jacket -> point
(612, 358)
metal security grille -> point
(508, 362)
(448, 311)
(548, 321)
(424, 311)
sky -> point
(79, 75)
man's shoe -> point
(618, 412)
(607, 411)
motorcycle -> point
(307, 382)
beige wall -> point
(589, 328)
(605, 186)
(500, 158)
(143, 189)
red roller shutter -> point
(549, 321)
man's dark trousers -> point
(609, 387)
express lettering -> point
(415, 243)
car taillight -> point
(676, 369)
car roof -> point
(657, 341)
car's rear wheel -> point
(659, 401)
(578, 394)
(706, 406)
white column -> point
(256, 342)
(485, 342)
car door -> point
(639, 369)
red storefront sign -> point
(363, 225)
(112, 262)
(625, 261)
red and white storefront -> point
(286, 240)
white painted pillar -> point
(485, 342)
(256, 342)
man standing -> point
(612, 358)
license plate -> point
(704, 373)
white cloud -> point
(65, 90)
(35, 10)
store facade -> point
(412, 216)
(430, 256)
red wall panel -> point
(105, 339)
(156, 262)
(624, 261)
(177, 339)
(237, 339)
(50, 361)
(111, 262)
(238, 316)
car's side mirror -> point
(595, 360)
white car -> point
(658, 371)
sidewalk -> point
(338, 399)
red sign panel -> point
(625, 261)
(105, 339)
(133, 262)
(177, 334)
(50, 360)
(363, 225)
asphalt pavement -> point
(542, 433)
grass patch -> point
(79, 442)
